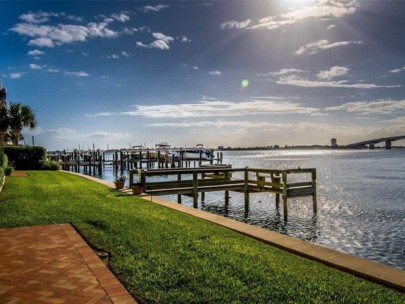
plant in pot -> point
(120, 182)
(137, 187)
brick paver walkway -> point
(53, 264)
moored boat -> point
(198, 152)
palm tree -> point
(4, 123)
(19, 117)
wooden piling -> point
(195, 190)
(179, 195)
(246, 187)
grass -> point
(164, 256)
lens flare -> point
(244, 83)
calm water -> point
(361, 200)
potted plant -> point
(137, 187)
(120, 182)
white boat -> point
(166, 151)
(198, 152)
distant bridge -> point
(371, 143)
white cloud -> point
(290, 77)
(52, 70)
(39, 17)
(120, 17)
(42, 17)
(333, 72)
(49, 36)
(281, 72)
(185, 39)
(68, 133)
(35, 66)
(77, 74)
(213, 108)
(35, 53)
(113, 56)
(16, 75)
(41, 42)
(294, 80)
(331, 26)
(156, 8)
(320, 45)
(398, 70)
(235, 24)
(162, 42)
(215, 73)
(108, 135)
(321, 9)
(373, 107)
(125, 54)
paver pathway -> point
(53, 264)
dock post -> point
(314, 198)
(202, 193)
(173, 161)
(200, 159)
(246, 188)
(285, 195)
(178, 195)
(195, 190)
(122, 160)
(181, 158)
(226, 197)
(158, 158)
(276, 179)
(148, 166)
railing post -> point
(179, 195)
(276, 179)
(195, 190)
(284, 177)
(246, 188)
(314, 198)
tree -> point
(4, 123)
(19, 117)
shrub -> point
(25, 158)
(8, 170)
(1, 157)
(51, 165)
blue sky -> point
(233, 73)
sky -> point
(231, 73)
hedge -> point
(3, 164)
(25, 157)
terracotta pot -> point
(137, 189)
(119, 185)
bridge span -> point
(371, 143)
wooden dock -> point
(192, 181)
(126, 159)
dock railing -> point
(192, 181)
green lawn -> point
(164, 256)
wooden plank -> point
(264, 183)
(189, 190)
(295, 185)
(188, 183)
(300, 192)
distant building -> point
(333, 142)
(220, 147)
(3, 95)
